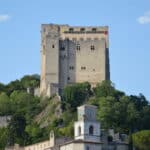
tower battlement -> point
(71, 54)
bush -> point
(141, 140)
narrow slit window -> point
(78, 47)
(53, 46)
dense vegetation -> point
(141, 140)
(126, 114)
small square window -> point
(94, 29)
(92, 47)
(70, 29)
(83, 68)
(71, 67)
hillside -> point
(34, 117)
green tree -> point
(3, 138)
(2, 87)
(107, 88)
(5, 104)
(16, 130)
(25, 103)
(75, 95)
(34, 133)
(121, 115)
(30, 81)
(141, 140)
(14, 85)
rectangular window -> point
(71, 67)
(82, 29)
(94, 29)
(78, 47)
(92, 47)
(70, 29)
(83, 68)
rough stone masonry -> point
(73, 55)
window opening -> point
(79, 130)
(91, 129)
(92, 47)
(78, 47)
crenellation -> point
(73, 55)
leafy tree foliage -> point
(30, 81)
(14, 85)
(26, 103)
(3, 138)
(75, 95)
(116, 110)
(5, 104)
(34, 133)
(16, 130)
(2, 87)
(22, 84)
(106, 88)
(141, 140)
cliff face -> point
(51, 111)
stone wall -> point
(4, 121)
(72, 55)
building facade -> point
(73, 55)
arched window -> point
(91, 130)
(79, 130)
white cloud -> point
(4, 17)
(145, 19)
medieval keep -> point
(72, 55)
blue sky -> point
(129, 31)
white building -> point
(86, 131)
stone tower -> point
(87, 128)
(73, 55)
